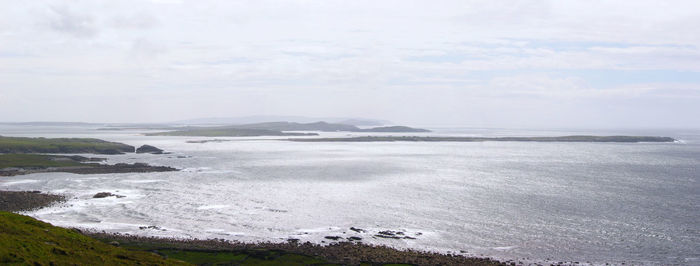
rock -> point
(388, 234)
(333, 237)
(151, 227)
(359, 230)
(114, 243)
(106, 194)
(149, 149)
(354, 238)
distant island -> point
(277, 129)
(581, 138)
(226, 132)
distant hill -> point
(267, 118)
(325, 127)
(226, 132)
(276, 129)
(362, 122)
(292, 126)
(395, 129)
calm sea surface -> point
(589, 202)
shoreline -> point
(24, 164)
(20, 201)
(345, 253)
(91, 169)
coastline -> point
(17, 201)
(344, 253)
(212, 250)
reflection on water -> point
(598, 202)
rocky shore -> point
(16, 201)
(344, 253)
(90, 169)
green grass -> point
(27, 241)
(35, 160)
(61, 145)
(241, 257)
(227, 257)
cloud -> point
(62, 19)
(543, 85)
(144, 48)
(303, 53)
(139, 21)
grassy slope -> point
(34, 160)
(24, 240)
(61, 145)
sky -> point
(492, 63)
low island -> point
(579, 138)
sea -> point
(591, 203)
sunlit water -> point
(587, 202)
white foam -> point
(142, 181)
(210, 207)
(17, 182)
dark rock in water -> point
(293, 240)
(149, 149)
(151, 227)
(354, 238)
(333, 237)
(359, 230)
(106, 194)
(389, 234)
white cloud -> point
(62, 19)
(308, 50)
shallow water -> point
(595, 202)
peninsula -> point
(19, 156)
(22, 164)
(62, 145)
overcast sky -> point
(472, 63)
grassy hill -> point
(27, 241)
(62, 145)
(37, 161)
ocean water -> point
(599, 203)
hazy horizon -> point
(510, 64)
